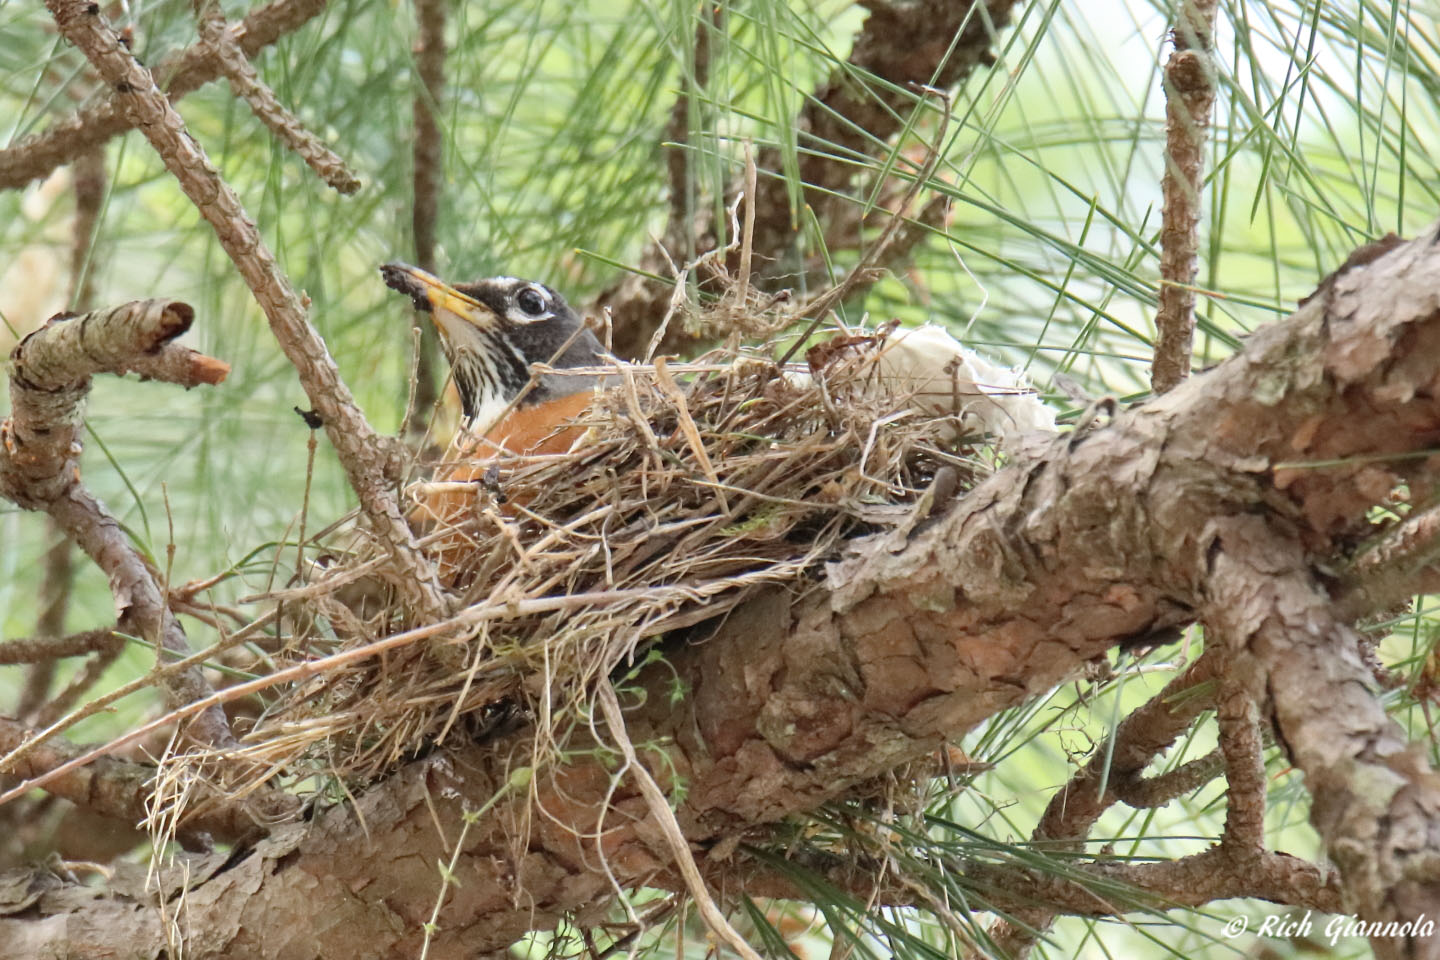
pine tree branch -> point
(1189, 100)
(1185, 882)
(369, 459)
(40, 154)
(245, 83)
(1178, 510)
(89, 186)
(39, 464)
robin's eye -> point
(531, 301)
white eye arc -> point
(532, 303)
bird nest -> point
(691, 486)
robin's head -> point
(493, 330)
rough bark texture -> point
(1191, 507)
(1376, 800)
(1189, 99)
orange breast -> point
(528, 431)
(538, 429)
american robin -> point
(493, 331)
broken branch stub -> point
(50, 377)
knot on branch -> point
(1190, 73)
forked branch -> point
(40, 468)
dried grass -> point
(693, 485)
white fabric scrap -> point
(939, 375)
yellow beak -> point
(429, 292)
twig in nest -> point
(747, 236)
(687, 425)
(669, 826)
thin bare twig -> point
(39, 154)
(33, 649)
(368, 458)
(747, 233)
(429, 177)
(1189, 97)
(246, 84)
(64, 701)
(90, 186)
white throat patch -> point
(487, 415)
